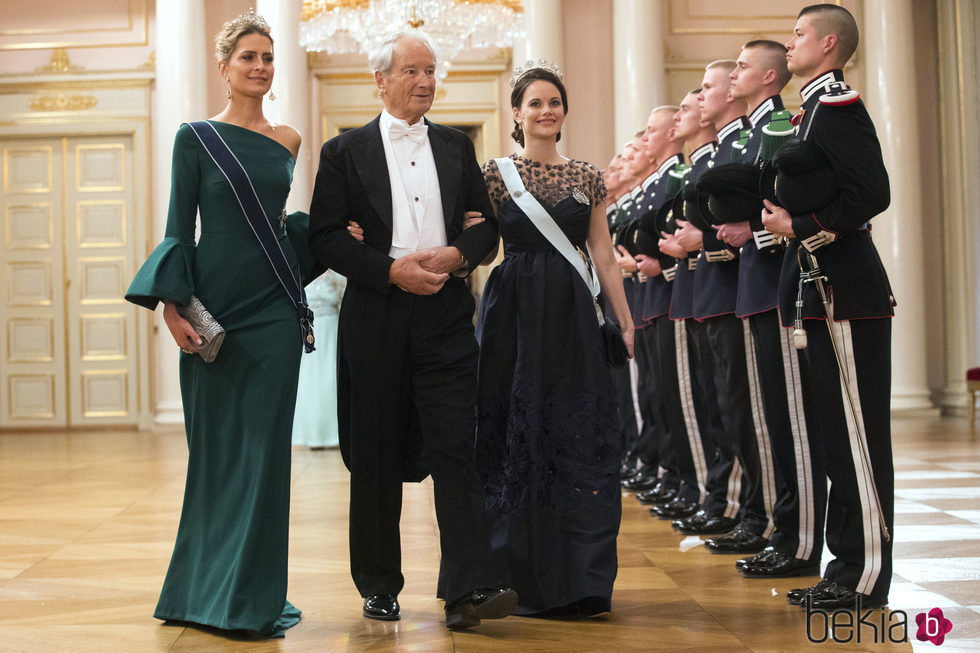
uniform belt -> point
(692, 264)
(763, 239)
(719, 255)
(670, 273)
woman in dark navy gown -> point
(548, 444)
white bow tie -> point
(416, 132)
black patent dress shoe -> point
(796, 596)
(488, 603)
(658, 494)
(779, 565)
(740, 540)
(677, 509)
(701, 523)
(697, 518)
(758, 558)
(383, 607)
(640, 481)
(834, 596)
(627, 469)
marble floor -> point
(87, 522)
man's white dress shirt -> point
(416, 201)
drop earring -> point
(227, 88)
(272, 97)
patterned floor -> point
(87, 522)
(937, 546)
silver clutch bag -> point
(212, 334)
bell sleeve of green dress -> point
(169, 271)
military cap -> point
(692, 210)
(729, 193)
(625, 235)
(646, 242)
(799, 179)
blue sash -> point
(244, 192)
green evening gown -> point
(228, 568)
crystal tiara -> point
(530, 65)
(249, 19)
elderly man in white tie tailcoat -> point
(407, 355)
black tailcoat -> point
(406, 363)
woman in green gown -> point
(228, 569)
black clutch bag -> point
(212, 334)
(612, 340)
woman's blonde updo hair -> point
(226, 40)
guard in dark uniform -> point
(618, 218)
(720, 498)
(800, 490)
(675, 459)
(826, 216)
(695, 370)
(653, 425)
(628, 429)
(715, 288)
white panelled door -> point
(68, 338)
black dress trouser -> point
(723, 473)
(653, 427)
(862, 557)
(726, 334)
(675, 450)
(801, 487)
(398, 348)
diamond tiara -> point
(530, 65)
(249, 19)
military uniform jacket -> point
(632, 285)
(682, 296)
(716, 282)
(649, 290)
(758, 272)
(656, 301)
(614, 212)
(838, 236)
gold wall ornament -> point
(62, 102)
(59, 63)
(314, 8)
(150, 63)
(512, 5)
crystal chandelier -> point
(350, 26)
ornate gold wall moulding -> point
(62, 102)
(59, 63)
(440, 93)
(151, 63)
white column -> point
(181, 65)
(888, 31)
(959, 84)
(544, 32)
(292, 87)
(543, 23)
(639, 80)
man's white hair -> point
(381, 58)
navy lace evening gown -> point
(547, 442)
